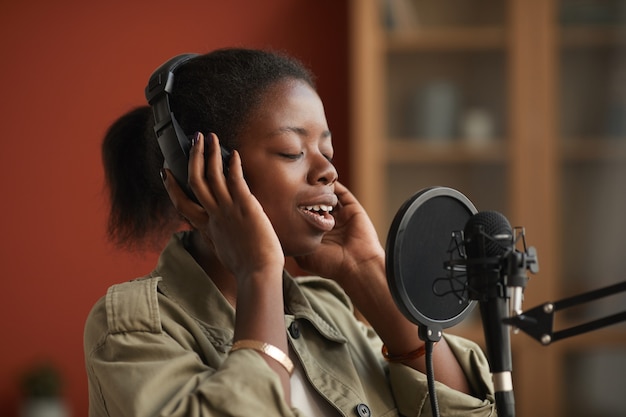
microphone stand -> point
(503, 280)
(538, 322)
(430, 335)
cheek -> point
(274, 187)
(279, 204)
(275, 201)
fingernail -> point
(163, 173)
(195, 138)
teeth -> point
(320, 208)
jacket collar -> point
(185, 282)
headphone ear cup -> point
(172, 140)
(175, 146)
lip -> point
(324, 222)
(326, 198)
(321, 220)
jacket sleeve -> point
(136, 368)
(410, 387)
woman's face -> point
(286, 152)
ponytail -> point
(141, 214)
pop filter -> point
(418, 245)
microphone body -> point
(488, 239)
(498, 342)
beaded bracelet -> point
(267, 349)
(417, 353)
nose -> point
(322, 171)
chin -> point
(302, 247)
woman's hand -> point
(351, 249)
(229, 217)
(232, 222)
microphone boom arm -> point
(538, 322)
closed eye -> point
(293, 156)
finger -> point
(344, 195)
(195, 169)
(215, 169)
(236, 180)
(207, 179)
(183, 204)
(341, 190)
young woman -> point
(219, 328)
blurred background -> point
(519, 104)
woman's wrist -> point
(264, 276)
(365, 284)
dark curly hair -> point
(216, 93)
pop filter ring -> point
(423, 225)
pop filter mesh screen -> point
(418, 245)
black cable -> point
(430, 376)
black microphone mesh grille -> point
(492, 224)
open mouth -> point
(319, 216)
(320, 210)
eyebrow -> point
(300, 131)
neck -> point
(204, 255)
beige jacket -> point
(158, 346)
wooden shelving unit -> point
(553, 162)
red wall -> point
(68, 69)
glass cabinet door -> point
(444, 99)
(521, 106)
(592, 104)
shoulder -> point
(127, 307)
(133, 306)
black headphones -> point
(173, 141)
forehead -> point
(287, 91)
(288, 103)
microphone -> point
(443, 257)
(489, 246)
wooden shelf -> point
(425, 151)
(446, 39)
(594, 150)
(591, 36)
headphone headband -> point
(162, 79)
